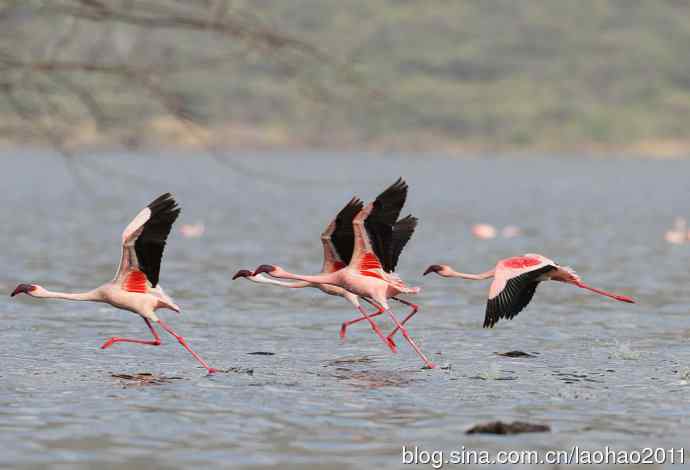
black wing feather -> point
(343, 236)
(151, 243)
(379, 224)
(402, 232)
(514, 297)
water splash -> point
(623, 351)
(493, 372)
(685, 376)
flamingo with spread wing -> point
(378, 241)
(515, 281)
(338, 241)
(135, 287)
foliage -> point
(535, 73)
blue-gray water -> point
(605, 373)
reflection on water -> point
(143, 379)
(347, 370)
(601, 372)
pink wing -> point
(364, 260)
(514, 284)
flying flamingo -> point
(515, 280)
(135, 287)
(378, 242)
(338, 242)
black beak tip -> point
(242, 273)
(22, 289)
(434, 268)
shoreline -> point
(165, 134)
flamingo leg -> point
(345, 324)
(621, 298)
(415, 309)
(367, 316)
(115, 339)
(184, 344)
(409, 339)
(343, 327)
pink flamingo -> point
(135, 287)
(484, 231)
(515, 281)
(378, 242)
(679, 234)
(338, 242)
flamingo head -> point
(439, 269)
(242, 273)
(265, 268)
(24, 289)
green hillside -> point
(489, 74)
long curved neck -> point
(476, 277)
(327, 253)
(261, 279)
(326, 278)
(92, 295)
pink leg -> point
(406, 335)
(379, 311)
(374, 326)
(343, 327)
(156, 339)
(621, 298)
(179, 338)
(415, 309)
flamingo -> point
(378, 242)
(135, 287)
(484, 231)
(515, 281)
(511, 231)
(679, 234)
(338, 243)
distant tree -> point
(108, 62)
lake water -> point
(604, 372)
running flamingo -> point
(515, 280)
(338, 242)
(378, 242)
(135, 287)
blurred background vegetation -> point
(602, 76)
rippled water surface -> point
(603, 373)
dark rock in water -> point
(499, 427)
(262, 353)
(515, 354)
